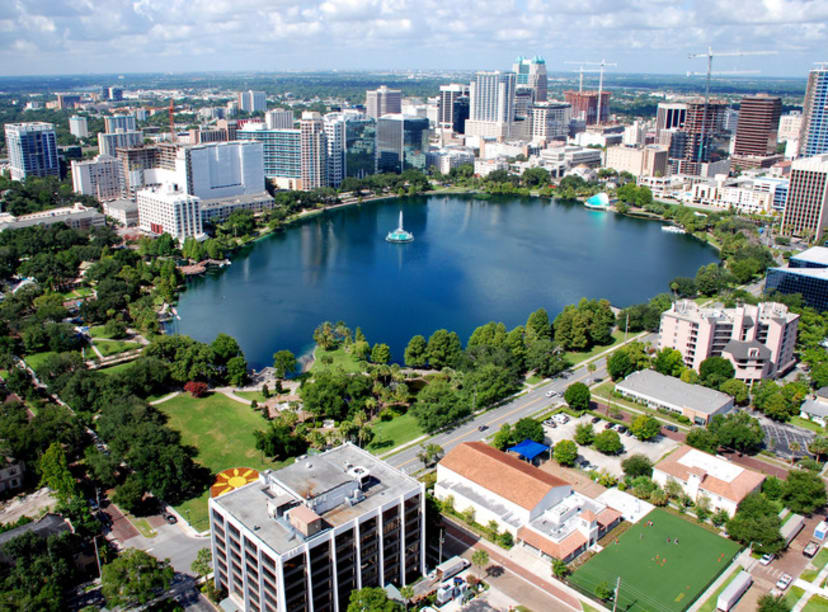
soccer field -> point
(657, 576)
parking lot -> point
(778, 438)
(654, 450)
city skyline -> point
(642, 36)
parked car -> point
(671, 428)
(621, 428)
(595, 419)
(609, 425)
(766, 559)
(811, 549)
(783, 582)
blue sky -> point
(104, 36)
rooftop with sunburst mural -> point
(233, 478)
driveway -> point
(654, 450)
(779, 436)
(172, 543)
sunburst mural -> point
(232, 478)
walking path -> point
(811, 588)
(161, 400)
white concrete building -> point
(335, 141)
(221, 169)
(99, 178)
(168, 210)
(638, 161)
(279, 119)
(78, 127)
(484, 167)
(123, 123)
(252, 101)
(724, 483)
(550, 121)
(109, 142)
(542, 511)
(790, 125)
(124, 212)
(32, 149)
(446, 159)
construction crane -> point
(710, 54)
(172, 121)
(601, 65)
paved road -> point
(172, 543)
(525, 405)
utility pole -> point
(97, 557)
(442, 539)
(627, 327)
(615, 597)
(709, 55)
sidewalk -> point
(811, 588)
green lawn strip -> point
(390, 434)
(588, 608)
(534, 379)
(114, 347)
(710, 604)
(117, 369)
(816, 604)
(251, 395)
(340, 359)
(221, 430)
(806, 424)
(793, 596)
(35, 360)
(809, 575)
(576, 357)
(142, 525)
(604, 392)
(97, 331)
(821, 559)
(655, 574)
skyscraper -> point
(314, 169)
(670, 116)
(335, 142)
(99, 178)
(813, 139)
(697, 147)
(550, 121)
(108, 143)
(382, 101)
(78, 127)
(279, 119)
(492, 97)
(585, 105)
(402, 143)
(448, 96)
(252, 101)
(360, 145)
(119, 122)
(532, 73)
(755, 141)
(805, 209)
(32, 149)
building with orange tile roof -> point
(703, 475)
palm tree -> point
(819, 447)
(480, 559)
(560, 569)
(407, 593)
(795, 448)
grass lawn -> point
(588, 608)
(806, 424)
(116, 369)
(222, 431)
(818, 562)
(710, 604)
(655, 574)
(534, 379)
(390, 434)
(816, 604)
(35, 360)
(142, 525)
(793, 596)
(251, 395)
(575, 357)
(340, 359)
(114, 347)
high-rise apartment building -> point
(78, 127)
(813, 138)
(335, 142)
(585, 106)
(360, 145)
(492, 97)
(252, 101)
(790, 124)
(402, 143)
(670, 116)
(700, 126)
(109, 143)
(66, 101)
(302, 538)
(449, 94)
(550, 121)
(116, 94)
(135, 164)
(314, 170)
(32, 149)
(754, 145)
(120, 122)
(650, 160)
(167, 210)
(758, 340)
(805, 209)
(279, 119)
(219, 169)
(382, 101)
(99, 178)
(531, 72)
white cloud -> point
(651, 35)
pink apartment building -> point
(758, 340)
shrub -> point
(196, 388)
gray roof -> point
(740, 349)
(817, 255)
(51, 220)
(125, 205)
(50, 524)
(814, 408)
(672, 391)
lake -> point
(472, 261)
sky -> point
(656, 36)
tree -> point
(415, 352)
(584, 434)
(538, 326)
(700, 438)
(637, 465)
(407, 593)
(237, 371)
(480, 559)
(769, 603)
(444, 349)
(819, 447)
(604, 591)
(279, 441)
(372, 599)
(134, 577)
(196, 388)
(737, 390)
(560, 569)
(284, 363)
(203, 563)
(803, 491)
(756, 521)
(565, 453)
(713, 371)
(129, 495)
(645, 427)
(55, 474)
(528, 428)
(430, 454)
(737, 430)
(669, 361)
(577, 395)
(381, 353)
(608, 442)
(619, 365)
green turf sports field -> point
(657, 576)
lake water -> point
(472, 261)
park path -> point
(161, 400)
(811, 588)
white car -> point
(783, 582)
(766, 559)
(551, 393)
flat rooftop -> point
(820, 273)
(310, 478)
(817, 255)
(671, 390)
